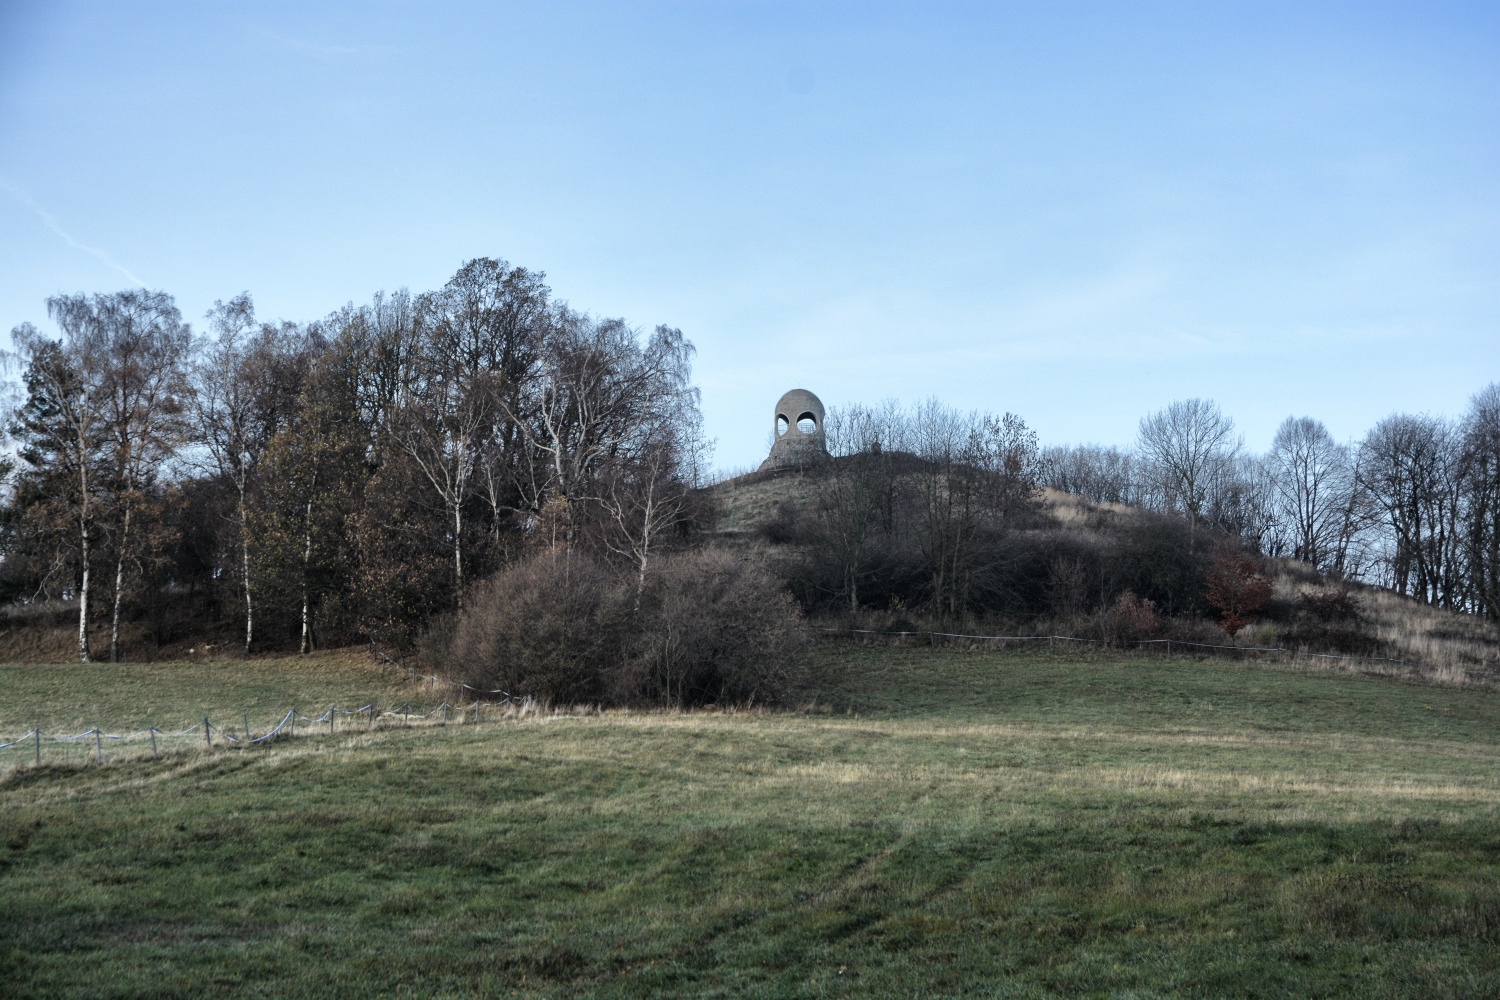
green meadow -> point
(930, 823)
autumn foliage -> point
(1236, 589)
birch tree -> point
(145, 346)
(313, 470)
(644, 497)
(598, 389)
(61, 428)
(239, 401)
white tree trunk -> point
(245, 565)
(114, 623)
(83, 594)
(306, 567)
(458, 551)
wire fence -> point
(1164, 646)
(37, 747)
(95, 744)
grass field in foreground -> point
(958, 823)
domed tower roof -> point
(799, 431)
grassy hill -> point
(933, 823)
(769, 512)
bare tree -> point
(644, 497)
(479, 340)
(1243, 504)
(383, 342)
(977, 473)
(1410, 467)
(1314, 477)
(1096, 473)
(441, 428)
(599, 390)
(857, 492)
(1481, 478)
(1188, 450)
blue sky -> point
(1078, 212)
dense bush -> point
(706, 628)
(1163, 560)
(1331, 621)
(713, 629)
(552, 626)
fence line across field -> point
(1117, 644)
(467, 713)
(287, 726)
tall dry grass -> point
(1436, 646)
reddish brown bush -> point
(1236, 589)
(1131, 618)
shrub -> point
(1131, 618)
(784, 526)
(709, 628)
(1336, 607)
(1159, 559)
(713, 628)
(552, 626)
(1236, 589)
(1333, 621)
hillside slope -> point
(775, 514)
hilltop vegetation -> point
(1062, 564)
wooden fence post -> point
(207, 735)
(330, 720)
(37, 732)
(246, 717)
(153, 741)
(98, 747)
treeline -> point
(1413, 507)
(297, 484)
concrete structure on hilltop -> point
(799, 432)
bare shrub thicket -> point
(552, 626)
(710, 628)
(916, 509)
(713, 629)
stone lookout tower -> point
(799, 432)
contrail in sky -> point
(51, 222)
